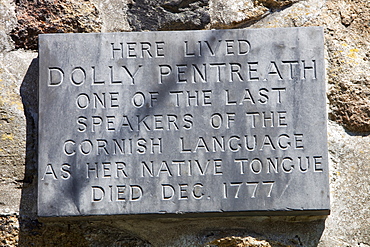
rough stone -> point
(350, 175)
(72, 234)
(244, 13)
(351, 106)
(7, 16)
(64, 16)
(7, 23)
(113, 15)
(12, 128)
(295, 15)
(277, 231)
(347, 39)
(227, 14)
(9, 230)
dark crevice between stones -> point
(276, 5)
(346, 21)
(249, 22)
(176, 6)
(281, 8)
(168, 15)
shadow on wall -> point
(115, 231)
(28, 207)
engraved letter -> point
(69, 151)
(83, 101)
(164, 70)
(97, 193)
(197, 191)
(274, 70)
(252, 69)
(305, 68)
(167, 192)
(136, 192)
(186, 50)
(159, 49)
(216, 120)
(119, 49)
(82, 122)
(138, 100)
(285, 169)
(244, 47)
(56, 76)
(317, 163)
(66, 173)
(49, 171)
(183, 192)
(78, 76)
(132, 75)
(256, 166)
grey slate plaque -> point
(230, 121)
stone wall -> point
(347, 41)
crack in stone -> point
(176, 6)
(276, 5)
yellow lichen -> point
(240, 242)
(352, 53)
(19, 105)
(7, 136)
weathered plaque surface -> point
(183, 122)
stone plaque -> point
(221, 121)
